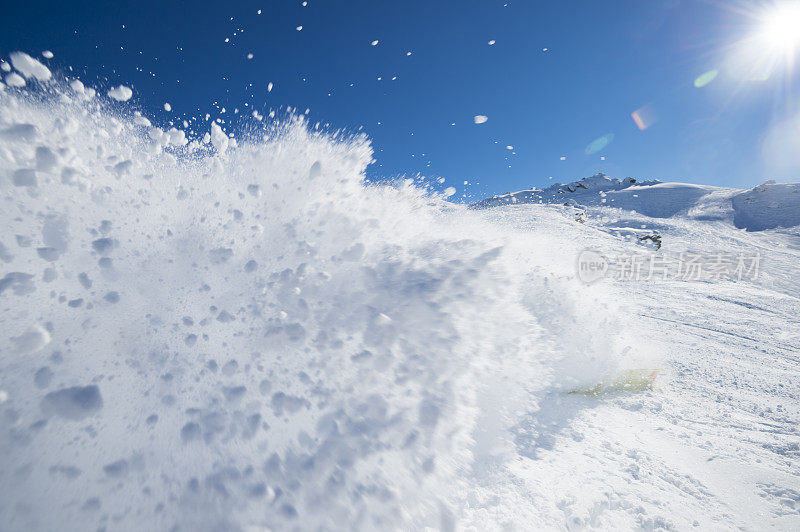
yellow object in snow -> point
(629, 380)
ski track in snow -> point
(241, 334)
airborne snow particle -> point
(47, 54)
(299, 28)
(104, 245)
(29, 67)
(31, 341)
(491, 42)
(24, 177)
(45, 159)
(218, 138)
(375, 42)
(428, 413)
(230, 368)
(43, 377)
(73, 403)
(315, 171)
(120, 93)
(92, 505)
(234, 393)
(480, 119)
(116, 469)
(225, 317)
(20, 283)
(15, 80)
(112, 297)
(269, 87)
(220, 255)
(122, 167)
(77, 86)
(167, 107)
(281, 402)
(176, 137)
(190, 432)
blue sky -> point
(603, 61)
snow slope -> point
(716, 444)
(206, 333)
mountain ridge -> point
(770, 205)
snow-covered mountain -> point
(766, 206)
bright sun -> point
(781, 27)
(772, 44)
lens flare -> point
(705, 78)
(644, 117)
(599, 143)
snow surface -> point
(243, 336)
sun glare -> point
(770, 48)
(781, 27)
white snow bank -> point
(659, 200)
(259, 340)
(767, 206)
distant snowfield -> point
(766, 206)
(241, 335)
